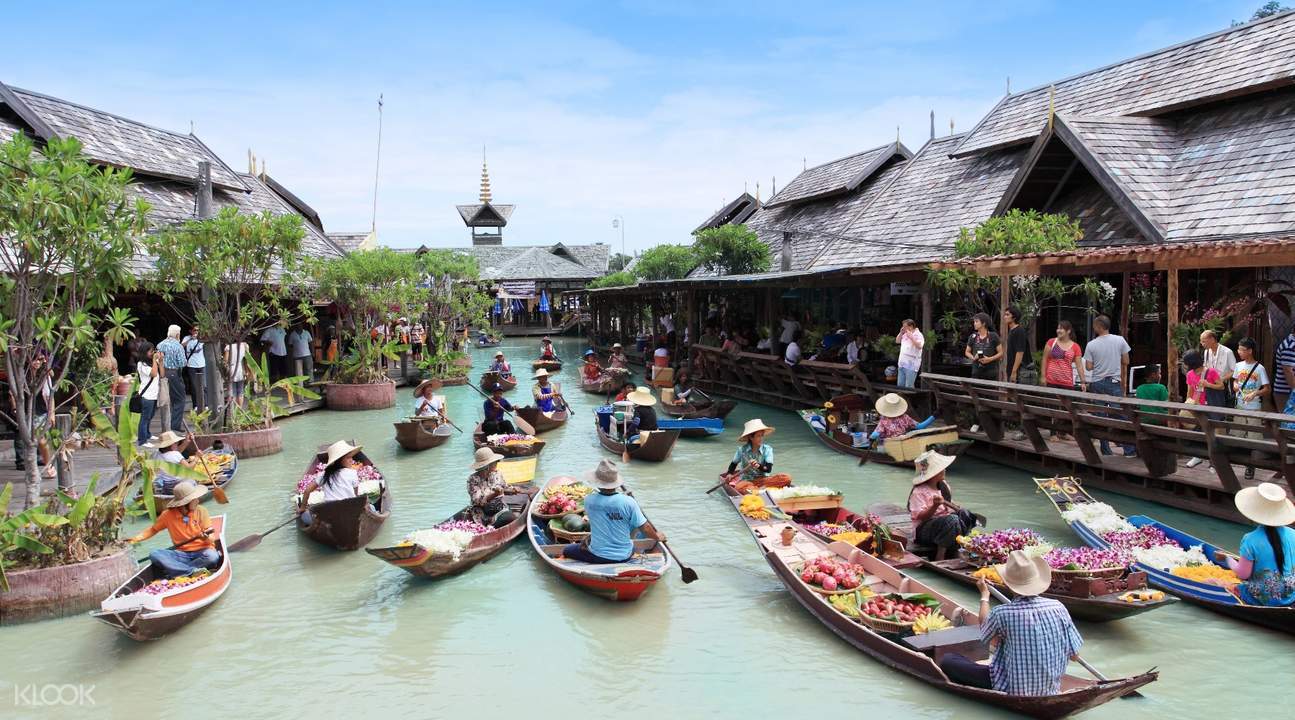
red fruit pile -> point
(559, 504)
(832, 574)
(888, 608)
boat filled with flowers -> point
(344, 524)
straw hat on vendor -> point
(891, 405)
(641, 396)
(165, 440)
(1025, 575)
(433, 383)
(485, 457)
(341, 449)
(930, 465)
(754, 426)
(1266, 504)
(186, 491)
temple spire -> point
(485, 178)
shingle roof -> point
(1247, 58)
(468, 212)
(540, 262)
(918, 214)
(348, 241)
(114, 140)
(735, 212)
(836, 177)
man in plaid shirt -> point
(1033, 637)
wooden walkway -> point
(85, 463)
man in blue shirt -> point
(496, 422)
(614, 516)
(174, 361)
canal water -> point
(305, 630)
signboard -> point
(904, 288)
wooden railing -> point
(1223, 436)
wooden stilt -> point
(1171, 305)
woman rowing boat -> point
(752, 465)
(486, 489)
(1267, 563)
(937, 521)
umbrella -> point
(544, 301)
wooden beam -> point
(1124, 305)
(924, 295)
(1171, 306)
(1004, 300)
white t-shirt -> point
(193, 349)
(793, 354)
(1223, 360)
(667, 322)
(789, 328)
(431, 408)
(275, 337)
(300, 342)
(852, 352)
(237, 352)
(145, 372)
(343, 487)
(172, 456)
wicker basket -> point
(887, 626)
(561, 534)
(580, 510)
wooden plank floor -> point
(85, 463)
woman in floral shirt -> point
(894, 419)
(486, 489)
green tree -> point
(454, 298)
(616, 279)
(232, 275)
(731, 250)
(617, 262)
(70, 229)
(665, 262)
(1269, 9)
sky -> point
(653, 112)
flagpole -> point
(377, 168)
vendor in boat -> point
(592, 370)
(614, 517)
(168, 445)
(644, 419)
(894, 419)
(548, 397)
(427, 402)
(496, 422)
(1267, 562)
(189, 526)
(617, 358)
(340, 481)
(1032, 638)
(752, 465)
(486, 490)
(684, 390)
(546, 350)
(501, 366)
(937, 521)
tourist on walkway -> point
(486, 490)
(236, 359)
(173, 363)
(42, 415)
(1284, 370)
(189, 526)
(195, 369)
(1032, 638)
(1107, 360)
(1152, 389)
(148, 366)
(984, 348)
(911, 341)
(1221, 358)
(856, 351)
(752, 465)
(1267, 562)
(548, 398)
(417, 339)
(1020, 359)
(500, 366)
(303, 362)
(709, 337)
(614, 517)
(273, 344)
(496, 422)
(1063, 364)
(792, 355)
(789, 329)
(1250, 385)
(1199, 378)
(937, 521)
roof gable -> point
(837, 177)
(735, 212)
(485, 214)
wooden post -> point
(1171, 307)
(1124, 306)
(771, 319)
(927, 323)
(1004, 300)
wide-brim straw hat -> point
(606, 476)
(541, 373)
(185, 492)
(1266, 504)
(1025, 575)
(929, 464)
(891, 405)
(485, 457)
(616, 346)
(341, 449)
(426, 384)
(499, 354)
(641, 397)
(166, 439)
(754, 426)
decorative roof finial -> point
(485, 178)
(757, 191)
(1052, 104)
(932, 124)
(950, 126)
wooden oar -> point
(252, 541)
(521, 424)
(1092, 670)
(686, 573)
(216, 491)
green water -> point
(304, 629)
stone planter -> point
(247, 443)
(64, 590)
(339, 396)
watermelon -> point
(572, 522)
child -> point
(1152, 389)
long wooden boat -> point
(542, 421)
(345, 524)
(656, 449)
(422, 434)
(614, 581)
(490, 379)
(550, 365)
(422, 562)
(534, 447)
(918, 655)
(693, 427)
(149, 617)
(714, 409)
(602, 385)
(1065, 492)
(948, 442)
(225, 478)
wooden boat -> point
(492, 342)
(656, 448)
(713, 409)
(918, 655)
(614, 581)
(534, 447)
(422, 562)
(345, 524)
(550, 365)
(1065, 492)
(490, 379)
(603, 385)
(422, 434)
(693, 427)
(898, 451)
(226, 477)
(542, 421)
(149, 617)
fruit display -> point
(573, 522)
(575, 490)
(753, 507)
(216, 464)
(832, 574)
(898, 608)
(992, 548)
(164, 585)
(1073, 559)
(796, 491)
(1208, 573)
(848, 603)
(930, 622)
(828, 529)
(989, 573)
(560, 504)
(852, 537)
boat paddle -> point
(686, 573)
(252, 541)
(1092, 670)
(521, 424)
(216, 491)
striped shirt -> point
(1285, 356)
(1036, 639)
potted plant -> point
(251, 431)
(1144, 297)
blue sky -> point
(655, 111)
